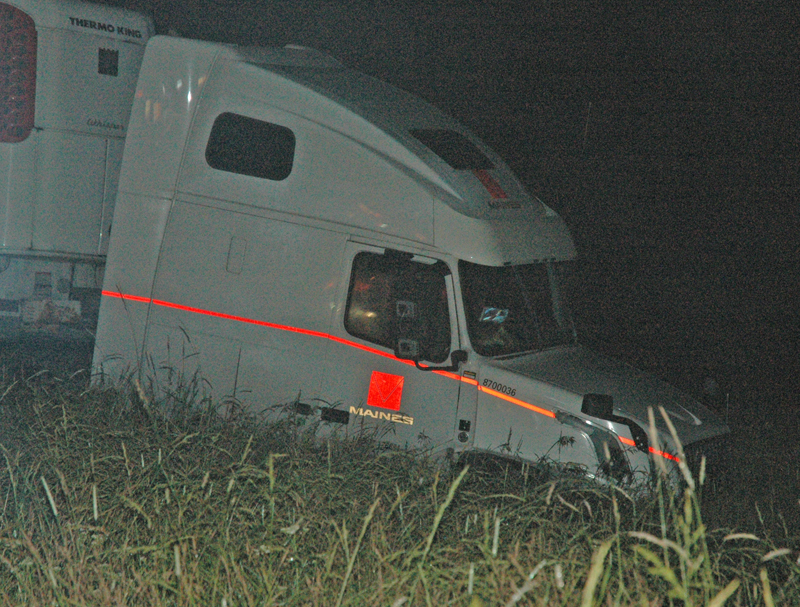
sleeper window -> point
(247, 146)
(393, 297)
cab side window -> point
(393, 298)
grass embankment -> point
(106, 501)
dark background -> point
(665, 134)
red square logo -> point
(385, 391)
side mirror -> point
(456, 358)
(602, 406)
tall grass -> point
(107, 500)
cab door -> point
(394, 333)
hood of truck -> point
(579, 370)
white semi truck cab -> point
(310, 240)
(68, 73)
(304, 238)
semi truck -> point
(313, 242)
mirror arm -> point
(456, 356)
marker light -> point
(18, 67)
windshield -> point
(514, 309)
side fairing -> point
(160, 120)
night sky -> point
(665, 134)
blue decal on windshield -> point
(495, 315)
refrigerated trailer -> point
(68, 73)
(314, 242)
